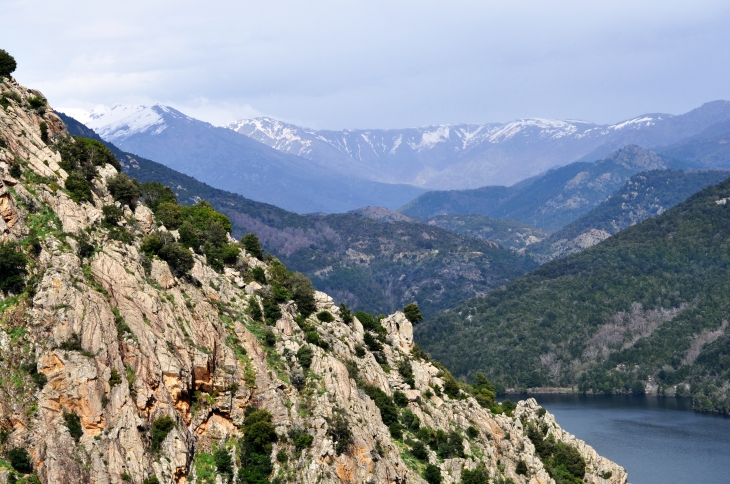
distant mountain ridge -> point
(239, 164)
(551, 201)
(461, 156)
(645, 195)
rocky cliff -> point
(115, 370)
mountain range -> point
(307, 170)
(460, 156)
(548, 202)
(239, 164)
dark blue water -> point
(657, 440)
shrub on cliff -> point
(79, 188)
(13, 267)
(20, 460)
(177, 257)
(160, 428)
(252, 245)
(123, 188)
(255, 448)
(7, 63)
(432, 474)
(413, 313)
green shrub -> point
(521, 468)
(73, 343)
(123, 189)
(36, 102)
(406, 372)
(346, 314)
(158, 433)
(413, 313)
(410, 420)
(20, 460)
(400, 398)
(151, 480)
(269, 338)
(155, 193)
(177, 257)
(359, 351)
(73, 424)
(339, 431)
(305, 355)
(432, 474)
(13, 267)
(282, 456)
(15, 170)
(78, 187)
(83, 154)
(325, 316)
(472, 432)
(480, 475)
(112, 215)
(39, 379)
(223, 461)
(170, 215)
(255, 309)
(451, 386)
(252, 245)
(44, 132)
(255, 448)
(7, 63)
(259, 275)
(637, 388)
(302, 293)
(300, 438)
(372, 343)
(419, 451)
(115, 378)
(272, 311)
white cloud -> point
(377, 63)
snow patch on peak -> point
(639, 122)
(549, 128)
(124, 120)
(277, 134)
(432, 137)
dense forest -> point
(647, 307)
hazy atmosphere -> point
(376, 64)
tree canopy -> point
(7, 63)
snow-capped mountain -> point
(229, 161)
(473, 155)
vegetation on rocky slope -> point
(645, 195)
(157, 372)
(644, 310)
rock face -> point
(122, 344)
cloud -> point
(332, 64)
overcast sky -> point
(376, 64)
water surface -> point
(658, 440)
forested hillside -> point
(646, 309)
(645, 195)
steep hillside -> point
(644, 309)
(549, 202)
(128, 358)
(228, 161)
(463, 156)
(374, 266)
(507, 233)
(645, 195)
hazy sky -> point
(376, 64)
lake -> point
(658, 440)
